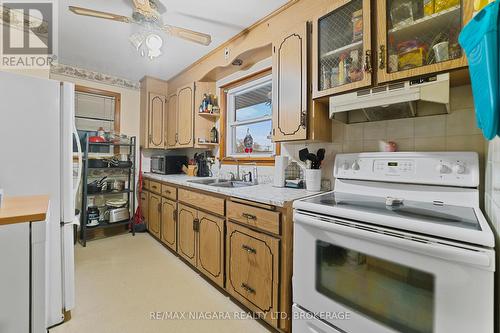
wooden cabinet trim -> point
(155, 187)
(166, 238)
(265, 220)
(202, 201)
(214, 251)
(189, 89)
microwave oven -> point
(168, 165)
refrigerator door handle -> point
(80, 162)
(67, 127)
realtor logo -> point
(27, 31)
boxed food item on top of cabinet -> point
(428, 7)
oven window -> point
(397, 296)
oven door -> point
(361, 278)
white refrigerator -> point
(37, 128)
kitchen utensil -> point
(117, 215)
(314, 160)
(303, 154)
(115, 185)
(321, 155)
(96, 186)
(116, 203)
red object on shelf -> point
(96, 139)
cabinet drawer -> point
(155, 187)
(169, 192)
(253, 271)
(257, 217)
(202, 201)
(145, 184)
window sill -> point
(260, 161)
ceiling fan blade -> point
(190, 35)
(98, 14)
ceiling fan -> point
(147, 13)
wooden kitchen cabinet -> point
(154, 214)
(290, 98)
(169, 223)
(417, 39)
(185, 110)
(296, 117)
(186, 233)
(342, 48)
(156, 116)
(253, 270)
(153, 113)
(171, 125)
(210, 235)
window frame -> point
(225, 121)
(107, 93)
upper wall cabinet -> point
(185, 110)
(290, 85)
(342, 48)
(418, 37)
(156, 115)
(153, 113)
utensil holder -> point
(313, 180)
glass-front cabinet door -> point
(342, 48)
(418, 37)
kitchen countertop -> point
(263, 193)
(24, 209)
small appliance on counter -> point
(202, 165)
(168, 165)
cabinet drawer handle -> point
(381, 57)
(248, 288)
(249, 216)
(167, 191)
(154, 187)
(249, 249)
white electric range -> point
(401, 245)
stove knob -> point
(459, 169)
(441, 168)
(345, 165)
(355, 166)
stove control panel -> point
(436, 168)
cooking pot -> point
(98, 163)
(96, 186)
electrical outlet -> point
(226, 53)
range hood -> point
(417, 97)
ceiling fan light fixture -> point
(237, 62)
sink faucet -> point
(252, 175)
(233, 176)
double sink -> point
(221, 183)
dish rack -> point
(112, 171)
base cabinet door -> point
(154, 214)
(145, 207)
(253, 270)
(186, 236)
(169, 223)
(211, 247)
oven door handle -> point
(442, 251)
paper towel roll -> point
(280, 164)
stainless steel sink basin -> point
(232, 184)
(222, 183)
(203, 181)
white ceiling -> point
(103, 45)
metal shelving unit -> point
(129, 192)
